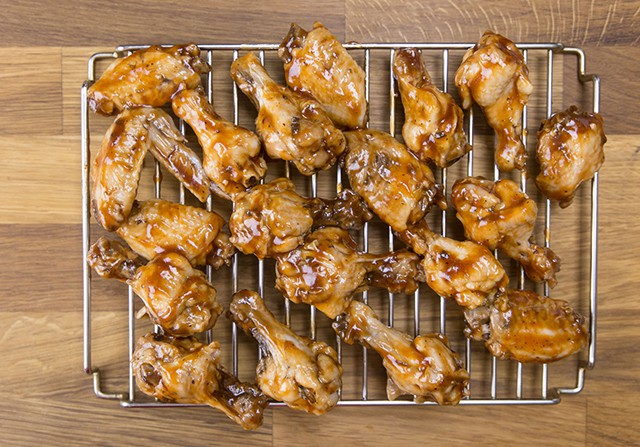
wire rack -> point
(522, 384)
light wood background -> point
(45, 396)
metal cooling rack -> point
(545, 394)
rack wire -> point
(545, 393)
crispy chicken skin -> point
(465, 271)
(148, 77)
(116, 170)
(303, 373)
(271, 219)
(397, 186)
(527, 327)
(328, 270)
(158, 226)
(570, 151)
(232, 155)
(293, 126)
(499, 215)
(177, 297)
(187, 371)
(433, 127)
(494, 75)
(424, 367)
(316, 63)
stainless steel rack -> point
(543, 393)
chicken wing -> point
(168, 147)
(112, 260)
(232, 154)
(316, 63)
(395, 184)
(157, 226)
(499, 215)
(177, 297)
(524, 326)
(272, 218)
(303, 373)
(424, 367)
(464, 271)
(117, 167)
(293, 126)
(148, 77)
(433, 127)
(570, 151)
(493, 73)
(328, 270)
(187, 371)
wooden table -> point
(47, 399)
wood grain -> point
(30, 91)
(47, 399)
(436, 426)
(35, 191)
(573, 23)
(161, 21)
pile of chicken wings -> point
(318, 119)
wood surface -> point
(45, 396)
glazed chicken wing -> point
(177, 297)
(303, 373)
(232, 155)
(499, 215)
(424, 367)
(570, 151)
(112, 260)
(117, 166)
(157, 226)
(168, 147)
(397, 186)
(524, 326)
(494, 75)
(148, 77)
(316, 63)
(433, 126)
(293, 126)
(272, 218)
(187, 371)
(328, 270)
(464, 271)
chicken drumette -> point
(494, 75)
(316, 63)
(570, 151)
(424, 367)
(148, 77)
(177, 297)
(293, 126)
(328, 270)
(303, 373)
(231, 154)
(524, 326)
(117, 166)
(187, 371)
(397, 186)
(464, 271)
(499, 215)
(433, 126)
(158, 226)
(272, 218)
